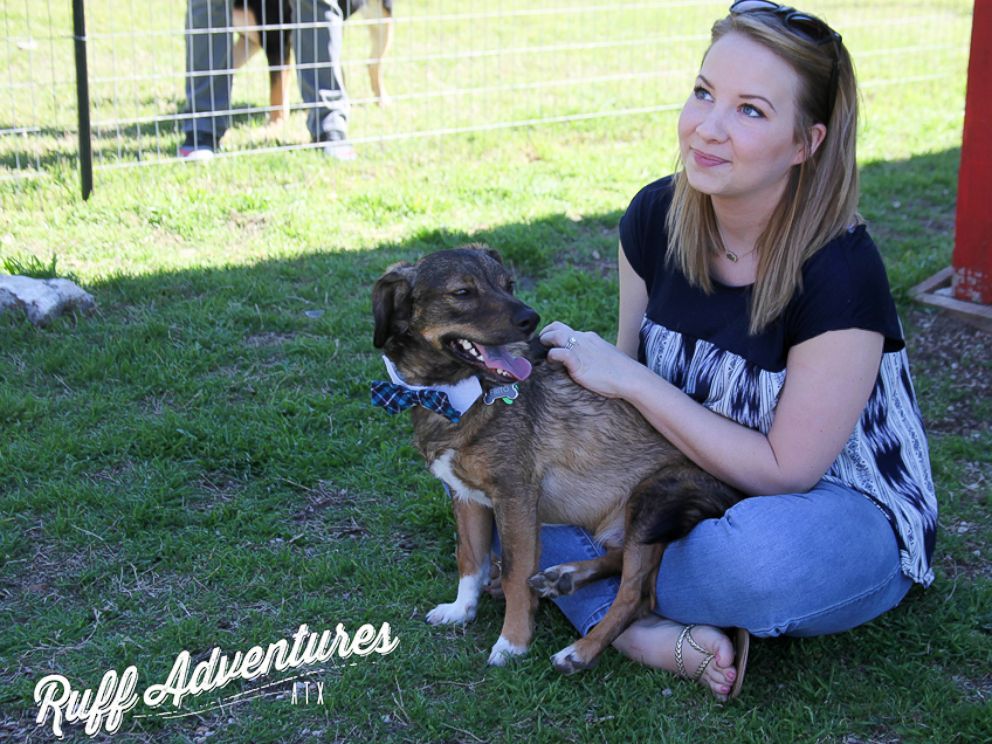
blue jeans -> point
(799, 564)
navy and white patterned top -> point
(701, 344)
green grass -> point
(196, 464)
(452, 67)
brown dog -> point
(268, 24)
(558, 454)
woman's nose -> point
(712, 125)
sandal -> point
(742, 643)
(707, 656)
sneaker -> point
(336, 145)
(197, 146)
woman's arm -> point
(828, 381)
(633, 303)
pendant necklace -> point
(734, 258)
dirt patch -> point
(216, 487)
(262, 340)
(323, 498)
(976, 690)
(960, 356)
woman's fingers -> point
(556, 334)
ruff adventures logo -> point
(116, 694)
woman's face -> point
(736, 131)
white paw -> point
(503, 651)
(562, 656)
(570, 661)
(453, 613)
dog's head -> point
(451, 315)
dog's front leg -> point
(634, 598)
(475, 536)
(516, 520)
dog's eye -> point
(462, 292)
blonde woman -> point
(758, 333)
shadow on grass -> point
(45, 148)
(199, 463)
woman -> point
(757, 333)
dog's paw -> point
(503, 651)
(453, 613)
(554, 582)
(569, 661)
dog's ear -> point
(492, 252)
(391, 302)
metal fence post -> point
(82, 98)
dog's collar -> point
(461, 396)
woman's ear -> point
(817, 133)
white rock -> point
(42, 299)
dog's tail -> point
(666, 507)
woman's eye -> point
(751, 111)
(701, 93)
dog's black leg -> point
(565, 578)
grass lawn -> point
(197, 465)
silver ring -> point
(572, 341)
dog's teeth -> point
(469, 348)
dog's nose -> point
(526, 319)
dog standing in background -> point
(249, 15)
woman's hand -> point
(593, 363)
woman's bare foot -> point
(652, 641)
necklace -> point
(734, 257)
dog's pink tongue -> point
(496, 357)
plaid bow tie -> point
(395, 398)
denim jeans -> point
(316, 47)
(799, 564)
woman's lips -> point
(707, 161)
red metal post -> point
(972, 259)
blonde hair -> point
(821, 198)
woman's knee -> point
(805, 564)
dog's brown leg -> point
(664, 507)
(248, 42)
(475, 536)
(516, 520)
(381, 36)
(279, 82)
(565, 578)
(634, 598)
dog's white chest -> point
(442, 468)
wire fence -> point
(450, 67)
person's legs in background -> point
(317, 43)
(208, 76)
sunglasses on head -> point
(805, 25)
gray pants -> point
(317, 46)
